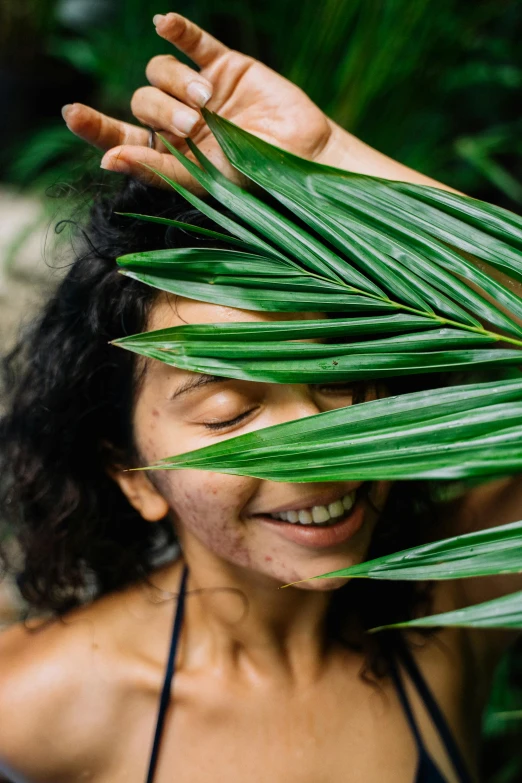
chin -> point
(322, 585)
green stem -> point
(432, 315)
(481, 330)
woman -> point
(270, 685)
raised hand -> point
(235, 86)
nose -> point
(293, 401)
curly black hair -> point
(69, 401)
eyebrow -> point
(195, 383)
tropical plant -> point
(390, 261)
(434, 87)
(366, 63)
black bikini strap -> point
(406, 706)
(169, 673)
(435, 712)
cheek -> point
(205, 505)
(208, 506)
(151, 432)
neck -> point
(237, 618)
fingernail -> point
(198, 93)
(65, 110)
(184, 121)
(113, 163)
(157, 19)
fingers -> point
(135, 161)
(100, 130)
(190, 39)
(158, 110)
(166, 73)
(126, 147)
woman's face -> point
(281, 531)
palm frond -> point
(496, 550)
(385, 268)
(457, 432)
(504, 612)
(390, 261)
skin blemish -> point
(219, 513)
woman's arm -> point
(235, 86)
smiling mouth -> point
(318, 516)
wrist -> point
(345, 151)
(338, 151)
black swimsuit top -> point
(427, 771)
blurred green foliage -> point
(434, 85)
(501, 753)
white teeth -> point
(320, 514)
(348, 501)
(336, 509)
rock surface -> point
(26, 269)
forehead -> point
(169, 311)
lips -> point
(322, 508)
(336, 530)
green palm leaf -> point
(174, 342)
(198, 230)
(493, 222)
(235, 228)
(405, 281)
(275, 294)
(489, 225)
(497, 550)
(289, 330)
(316, 363)
(459, 432)
(387, 259)
(505, 612)
(484, 230)
(302, 184)
(417, 248)
(278, 229)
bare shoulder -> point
(56, 694)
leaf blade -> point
(497, 550)
(504, 612)
(491, 453)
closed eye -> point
(221, 425)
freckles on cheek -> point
(209, 507)
(150, 442)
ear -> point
(141, 493)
